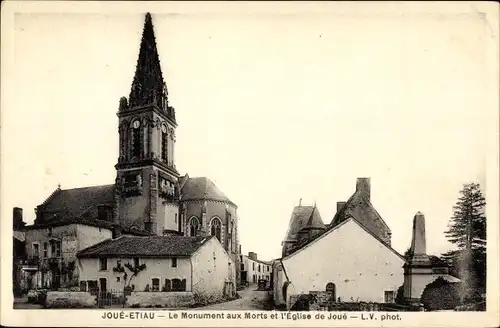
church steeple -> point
(148, 87)
(146, 175)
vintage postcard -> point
(307, 164)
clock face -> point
(163, 129)
(137, 124)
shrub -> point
(400, 297)
(440, 295)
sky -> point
(273, 108)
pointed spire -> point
(311, 217)
(148, 86)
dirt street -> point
(251, 299)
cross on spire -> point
(148, 86)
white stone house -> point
(348, 257)
(253, 269)
(351, 256)
(171, 263)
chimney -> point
(117, 232)
(252, 256)
(363, 186)
(340, 205)
(18, 214)
(17, 218)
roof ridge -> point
(99, 244)
(87, 187)
(51, 196)
(350, 218)
(310, 221)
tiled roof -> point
(150, 246)
(77, 202)
(202, 188)
(303, 216)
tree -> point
(400, 297)
(134, 271)
(467, 230)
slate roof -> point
(303, 216)
(77, 202)
(88, 222)
(361, 209)
(150, 246)
(202, 188)
(337, 226)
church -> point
(149, 196)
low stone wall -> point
(58, 299)
(323, 301)
(160, 299)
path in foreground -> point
(251, 299)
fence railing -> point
(111, 298)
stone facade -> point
(51, 254)
(421, 269)
(254, 269)
(56, 299)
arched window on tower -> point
(194, 226)
(136, 139)
(164, 143)
(215, 228)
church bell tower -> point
(147, 190)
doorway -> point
(243, 276)
(102, 284)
